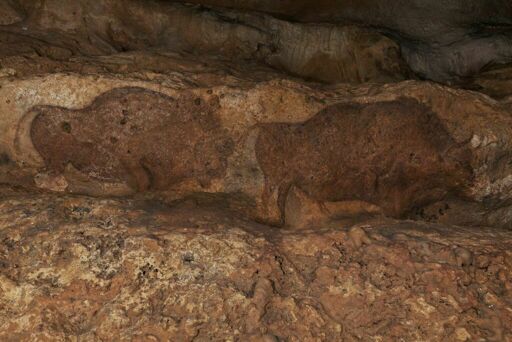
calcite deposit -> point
(255, 171)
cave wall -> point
(442, 41)
(260, 171)
(243, 87)
(423, 144)
(322, 52)
(446, 42)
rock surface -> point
(330, 41)
(324, 52)
(441, 40)
(91, 269)
(175, 172)
(244, 142)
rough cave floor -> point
(113, 269)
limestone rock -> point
(118, 269)
(10, 13)
(177, 172)
(330, 53)
(443, 41)
(422, 143)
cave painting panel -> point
(395, 154)
(132, 135)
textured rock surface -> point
(324, 52)
(331, 41)
(144, 138)
(90, 269)
(495, 82)
(441, 40)
(111, 135)
(394, 154)
(9, 13)
(174, 172)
